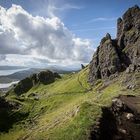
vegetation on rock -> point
(45, 77)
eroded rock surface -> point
(116, 55)
(121, 121)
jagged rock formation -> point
(82, 66)
(45, 77)
(116, 55)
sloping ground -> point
(121, 121)
(64, 110)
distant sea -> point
(8, 84)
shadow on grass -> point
(8, 118)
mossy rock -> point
(23, 86)
(46, 77)
(34, 79)
(56, 75)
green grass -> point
(66, 110)
(12, 135)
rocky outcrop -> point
(7, 117)
(4, 103)
(116, 55)
(44, 77)
(106, 60)
(121, 121)
(128, 35)
(82, 66)
(23, 86)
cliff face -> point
(116, 55)
(128, 35)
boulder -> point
(23, 86)
(46, 77)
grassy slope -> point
(66, 109)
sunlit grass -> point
(65, 109)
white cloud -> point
(52, 8)
(102, 19)
(41, 38)
(23, 60)
(2, 57)
(67, 7)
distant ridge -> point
(17, 76)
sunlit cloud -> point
(46, 39)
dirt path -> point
(86, 89)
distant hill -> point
(17, 76)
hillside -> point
(67, 108)
(78, 105)
(17, 75)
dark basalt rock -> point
(4, 103)
(121, 121)
(106, 60)
(23, 86)
(7, 117)
(34, 79)
(119, 27)
(82, 66)
(56, 75)
(113, 56)
(46, 77)
(128, 35)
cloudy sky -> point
(41, 33)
